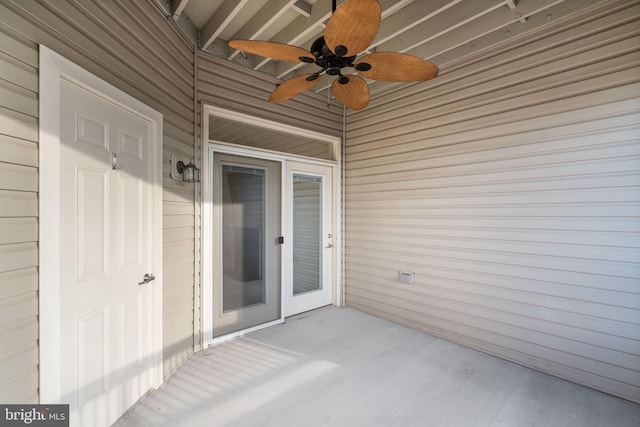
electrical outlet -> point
(406, 277)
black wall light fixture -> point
(189, 172)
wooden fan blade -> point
(353, 25)
(293, 87)
(279, 51)
(396, 67)
(354, 94)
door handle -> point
(147, 278)
(329, 246)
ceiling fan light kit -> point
(350, 31)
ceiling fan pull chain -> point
(328, 104)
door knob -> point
(329, 246)
(147, 278)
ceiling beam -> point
(409, 17)
(302, 29)
(220, 20)
(489, 30)
(177, 6)
(453, 19)
(302, 7)
(536, 19)
(512, 5)
(479, 27)
(262, 21)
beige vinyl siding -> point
(315, 149)
(129, 45)
(227, 85)
(255, 136)
(510, 185)
(18, 219)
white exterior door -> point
(106, 218)
(311, 237)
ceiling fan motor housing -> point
(329, 61)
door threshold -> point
(243, 332)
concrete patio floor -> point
(342, 367)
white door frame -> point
(54, 68)
(207, 149)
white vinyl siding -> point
(510, 185)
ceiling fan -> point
(350, 30)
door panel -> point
(93, 350)
(246, 223)
(91, 198)
(105, 220)
(309, 208)
(131, 194)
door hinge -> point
(281, 240)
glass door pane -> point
(307, 233)
(243, 226)
(246, 251)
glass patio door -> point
(309, 210)
(246, 249)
